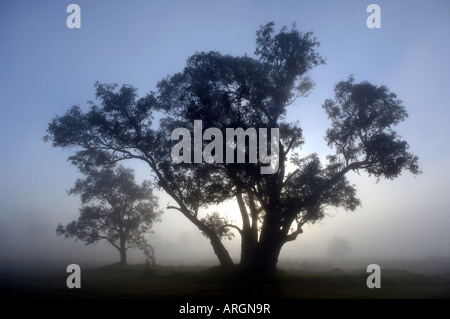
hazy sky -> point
(45, 68)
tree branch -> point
(174, 207)
(235, 227)
(293, 236)
(242, 209)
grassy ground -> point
(212, 283)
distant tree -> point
(245, 92)
(149, 252)
(115, 209)
(338, 248)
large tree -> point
(225, 92)
(115, 209)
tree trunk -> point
(267, 257)
(220, 251)
(249, 233)
(123, 251)
(262, 256)
(123, 256)
(248, 248)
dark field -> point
(165, 291)
(212, 283)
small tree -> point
(114, 208)
(149, 252)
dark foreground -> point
(138, 281)
(177, 287)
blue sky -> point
(45, 68)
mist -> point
(393, 235)
(402, 223)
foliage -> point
(363, 116)
(220, 225)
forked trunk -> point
(261, 256)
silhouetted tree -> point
(231, 92)
(115, 209)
